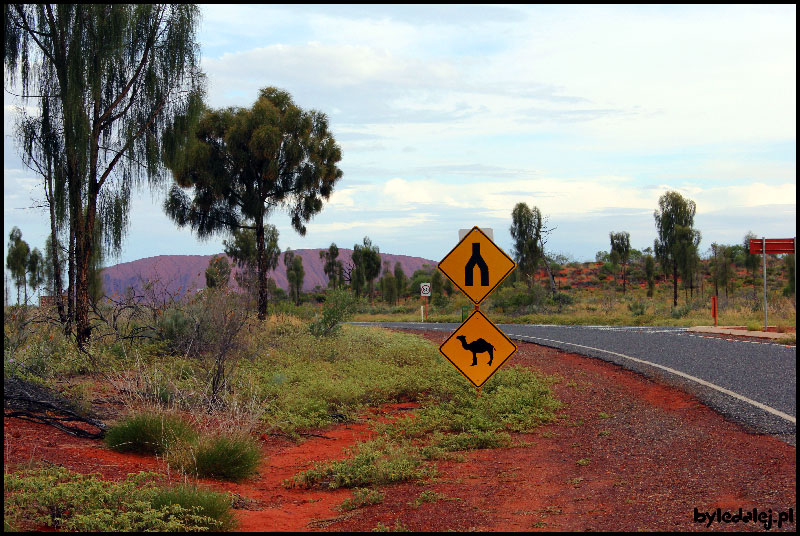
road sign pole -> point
(714, 309)
(764, 269)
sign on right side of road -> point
(425, 289)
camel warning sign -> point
(477, 348)
(476, 265)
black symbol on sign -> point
(477, 347)
(476, 260)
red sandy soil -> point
(652, 454)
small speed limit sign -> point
(425, 289)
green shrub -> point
(58, 498)
(232, 458)
(562, 299)
(149, 433)
(637, 308)
(339, 307)
(474, 441)
(682, 311)
(371, 463)
(216, 506)
(177, 328)
(362, 497)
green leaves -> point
(244, 163)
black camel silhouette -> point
(477, 347)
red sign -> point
(773, 245)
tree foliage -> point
(332, 266)
(621, 251)
(400, 279)
(526, 231)
(244, 163)
(650, 274)
(295, 274)
(721, 267)
(366, 266)
(674, 223)
(17, 261)
(218, 272)
(243, 250)
(108, 80)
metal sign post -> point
(774, 246)
(764, 270)
(424, 292)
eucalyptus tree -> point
(218, 273)
(243, 250)
(53, 268)
(42, 151)
(243, 163)
(400, 279)
(721, 267)
(331, 265)
(650, 274)
(688, 255)
(621, 249)
(526, 231)
(294, 274)
(674, 223)
(367, 265)
(17, 260)
(751, 260)
(108, 79)
(35, 270)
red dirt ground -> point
(650, 455)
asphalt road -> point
(753, 383)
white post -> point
(422, 312)
(764, 269)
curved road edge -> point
(757, 416)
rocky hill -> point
(177, 273)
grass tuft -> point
(216, 506)
(232, 458)
(149, 433)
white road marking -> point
(728, 392)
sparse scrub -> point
(371, 463)
(637, 308)
(451, 419)
(362, 497)
(339, 307)
(397, 527)
(427, 496)
(58, 498)
(216, 506)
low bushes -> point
(58, 498)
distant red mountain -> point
(178, 273)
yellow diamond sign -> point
(476, 265)
(477, 348)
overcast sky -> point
(448, 116)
